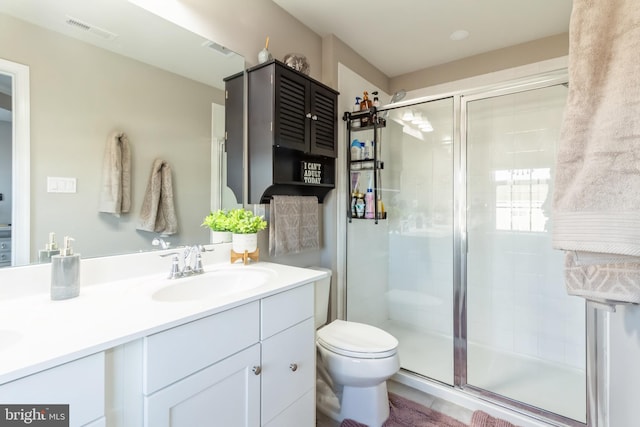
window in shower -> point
(525, 336)
(520, 198)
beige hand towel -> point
(597, 187)
(115, 194)
(293, 225)
(158, 213)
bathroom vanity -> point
(136, 352)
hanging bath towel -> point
(597, 187)
(115, 193)
(158, 214)
(293, 225)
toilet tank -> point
(322, 292)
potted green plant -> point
(245, 226)
(218, 223)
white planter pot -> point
(245, 242)
(220, 236)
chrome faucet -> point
(191, 262)
(159, 241)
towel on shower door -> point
(115, 193)
(158, 214)
(597, 187)
(293, 224)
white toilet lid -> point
(357, 340)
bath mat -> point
(405, 413)
(482, 419)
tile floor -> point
(455, 411)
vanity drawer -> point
(285, 309)
(178, 352)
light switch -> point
(56, 184)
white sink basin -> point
(8, 338)
(214, 283)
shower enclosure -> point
(462, 271)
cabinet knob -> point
(293, 367)
(3, 245)
(314, 117)
(257, 370)
(308, 115)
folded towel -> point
(597, 185)
(294, 224)
(115, 194)
(158, 213)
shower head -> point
(399, 95)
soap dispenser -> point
(50, 249)
(65, 273)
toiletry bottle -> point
(354, 200)
(369, 208)
(356, 107)
(381, 213)
(365, 105)
(360, 205)
(65, 273)
(376, 104)
(50, 249)
(356, 154)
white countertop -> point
(37, 333)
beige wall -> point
(496, 60)
(243, 26)
(79, 95)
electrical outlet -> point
(61, 184)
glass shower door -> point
(400, 271)
(525, 336)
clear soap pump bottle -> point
(65, 273)
(50, 249)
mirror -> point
(110, 66)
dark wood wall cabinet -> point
(292, 124)
(234, 132)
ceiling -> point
(402, 36)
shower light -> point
(426, 127)
(407, 116)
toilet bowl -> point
(358, 359)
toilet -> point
(354, 362)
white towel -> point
(293, 224)
(158, 214)
(597, 187)
(115, 194)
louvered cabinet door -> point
(324, 118)
(292, 111)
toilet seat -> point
(357, 340)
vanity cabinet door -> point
(288, 375)
(224, 394)
(287, 331)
